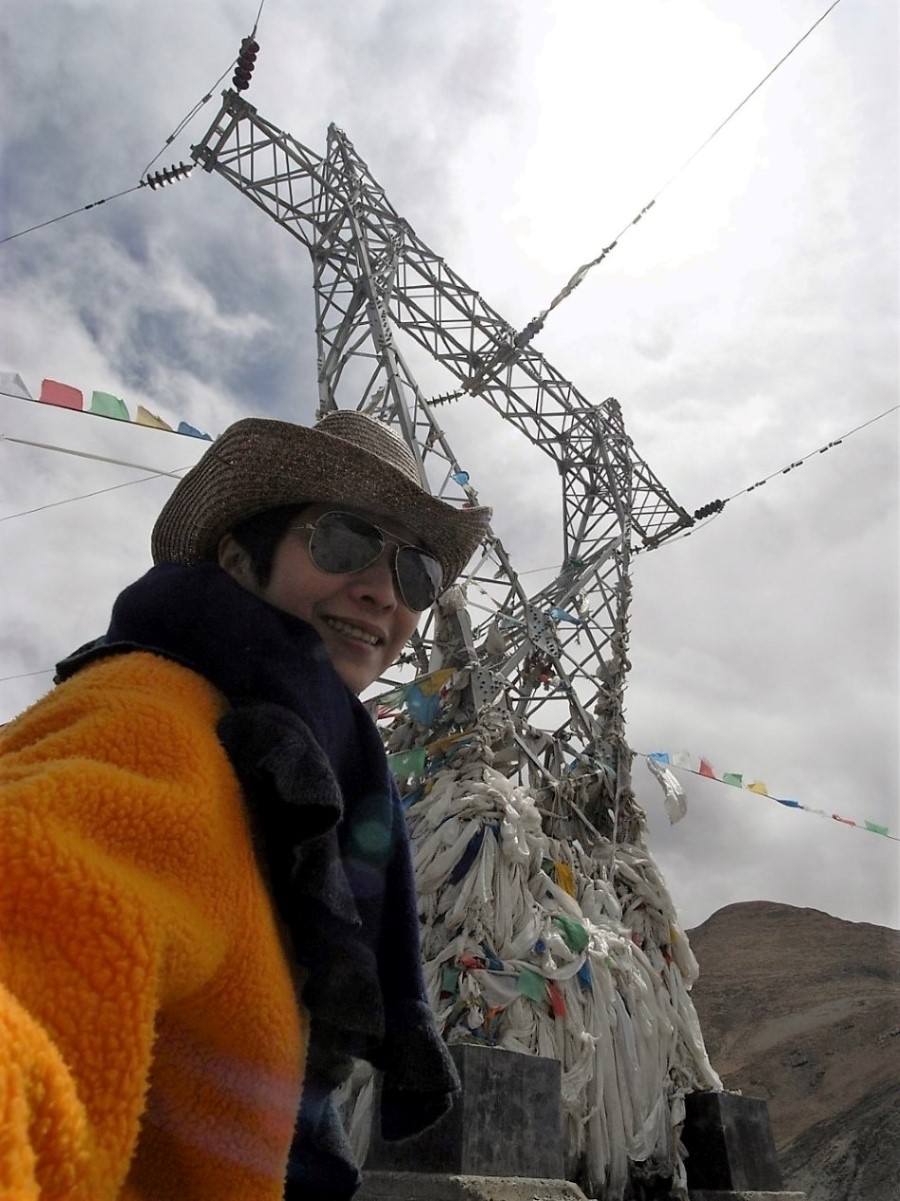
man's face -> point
(359, 616)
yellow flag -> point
(145, 417)
(431, 684)
(758, 786)
(565, 877)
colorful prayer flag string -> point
(102, 404)
(685, 761)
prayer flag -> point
(422, 709)
(431, 684)
(758, 786)
(64, 396)
(493, 962)
(407, 763)
(145, 417)
(706, 770)
(675, 797)
(659, 756)
(397, 697)
(681, 759)
(531, 984)
(562, 615)
(450, 979)
(106, 405)
(574, 934)
(846, 821)
(467, 858)
(876, 829)
(12, 384)
(184, 428)
(733, 777)
(460, 477)
(557, 1000)
(443, 744)
(785, 801)
(564, 877)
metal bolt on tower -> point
(554, 662)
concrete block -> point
(729, 1144)
(507, 1122)
(714, 1194)
(423, 1186)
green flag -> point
(407, 763)
(106, 405)
(531, 984)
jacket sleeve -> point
(110, 909)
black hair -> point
(261, 535)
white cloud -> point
(749, 318)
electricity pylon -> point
(556, 661)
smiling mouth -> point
(352, 631)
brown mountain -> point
(803, 1010)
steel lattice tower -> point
(556, 661)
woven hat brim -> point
(260, 464)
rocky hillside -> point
(803, 1009)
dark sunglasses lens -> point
(342, 543)
(418, 577)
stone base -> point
(507, 1122)
(428, 1186)
(729, 1146)
(711, 1194)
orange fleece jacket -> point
(151, 1042)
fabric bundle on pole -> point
(551, 946)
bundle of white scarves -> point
(534, 945)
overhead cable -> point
(189, 116)
(24, 675)
(84, 208)
(537, 323)
(84, 496)
(158, 180)
(83, 454)
(172, 173)
(715, 507)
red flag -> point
(845, 820)
(706, 770)
(64, 396)
(557, 1000)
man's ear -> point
(235, 560)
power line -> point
(84, 208)
(818, 451)
(84, 496)
(83, 454)
(45, 671)
(188, 118)
(143, 182)
(171, 175)
(714, 508)
(536, 324)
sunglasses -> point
(342, 543)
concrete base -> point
(729, 1145)
(507, 1122)
(711, 1194)
(428, 1186)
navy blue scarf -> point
(332, 841)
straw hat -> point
(347, 457)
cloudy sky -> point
(750, 319)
